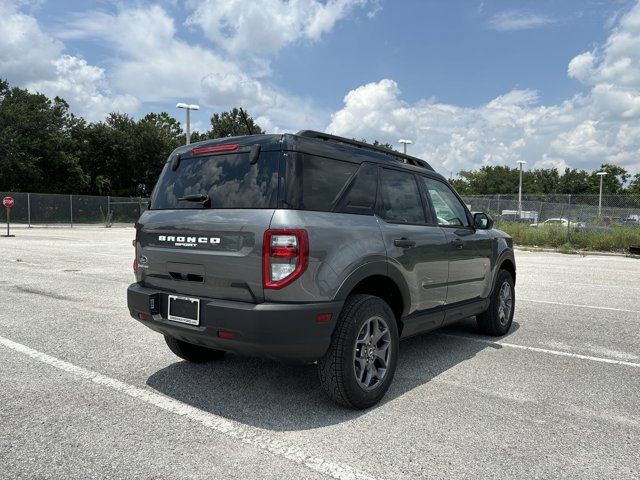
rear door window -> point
(228, 180)
(400, 200)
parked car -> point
(552, 222)
(313, 248)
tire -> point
(192, 353)
(496, 321)
(352, 370)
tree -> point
(157, 136)
(232, 124)
(38, 150)
(634, 186)
(575, 181)
(613, 182)
(488, 180)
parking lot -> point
(87, 392)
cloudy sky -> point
(470, 82)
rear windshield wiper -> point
(198, 197)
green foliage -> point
(44, 148)
(618, 238)
(38, 145)
(232, 124)
(107, 218)
(634, 186)
(489, 180)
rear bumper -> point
(285, 331)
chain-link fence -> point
(610, 222)
(583, 209)
(45, 209)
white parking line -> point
(580, 305)
(542, 350)
(257, 437)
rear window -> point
(360, 198)
(315, 183)
(228, 180)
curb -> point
(575, 252)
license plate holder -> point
(184, 310)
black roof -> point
(402, 157)
(318, 143)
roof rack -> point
(400, 157)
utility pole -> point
(188, 108)
(601, 175)
(521, 163)
(404, 143)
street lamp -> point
(521, 163)
(188, 108)
(404, 143)
(601, 175)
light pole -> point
(188, 108)
(601, 175)
(404, 143)
(521, 163)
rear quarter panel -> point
(339, 244)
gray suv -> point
(313, 248)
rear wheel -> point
(192, 353)
(499, 316)
(359, 366)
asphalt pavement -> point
(88, 392)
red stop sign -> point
(8, 202)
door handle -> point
(404, 243)
(458, 243)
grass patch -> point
(567, 248)
(617, 239)
(107, 219)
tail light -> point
(285, 256)
(135, 258)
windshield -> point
(222, 181)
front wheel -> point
(497, 319)
(359, 366)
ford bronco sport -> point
(313, 248)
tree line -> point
(504, 180)
(45, 148)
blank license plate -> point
(184, 310)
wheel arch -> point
(381, 280)
(510, 266)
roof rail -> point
(400, 157)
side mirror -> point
(482, 221)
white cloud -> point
(263, 27)
(617, 61)
(276, 111)
(513, 20)
(155, 65)
(25, 50)
(84, 87)
(581, 66)
(597, 126)
(33, 59)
